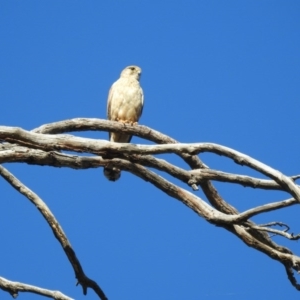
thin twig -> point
(278, 232)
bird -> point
(124, 104)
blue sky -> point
(226, 72)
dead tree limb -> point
(46, 145)
(13, 288)
(58, 232)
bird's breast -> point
(127, 103)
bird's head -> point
(133, 71)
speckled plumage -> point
(124, 104)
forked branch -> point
(46, 145)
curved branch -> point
(100, 147)
(83, 124)
(14, 288)
(250, 237)
(127, 158)
(14, 153)
(65, 142)
(266, 208)
(244, 180)
(57, 159)
(287, 235)
(58, 232)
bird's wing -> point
(109, 101)
(142, 105)
(109, 104)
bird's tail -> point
(112, 174)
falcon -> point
(124, 104)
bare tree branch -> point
(40, 157)
(100, 147)
(42, 145)
(287, 228)
(13, 288)
(58, 232)
(289, 236)
(266, 208)
(246, 181)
